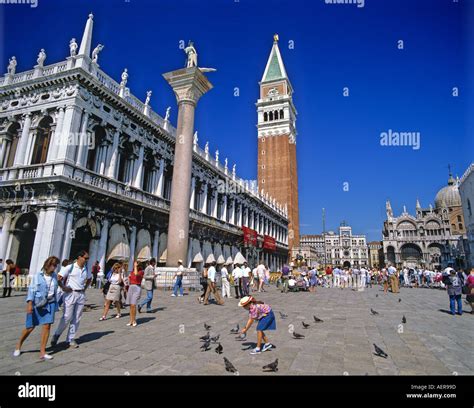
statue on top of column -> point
(73, 47)
(95, 53)
(191, 54)
(206, 149)
(167, 114)
(41, 58)
(11, 69)
(195, 138)
(148, 96)
(234, 169)
(123, 83)
(217, 155)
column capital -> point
(188, 84)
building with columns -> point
(85, 164)
(276, 125)
(466, 191)
(343, 249)
(434, 238)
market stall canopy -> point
(119, 249)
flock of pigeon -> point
(207, 340)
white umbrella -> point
(210, 259)
(220, 260)
(229, 261)
(239, 259)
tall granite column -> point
(188, 84)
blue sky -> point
(335, 46)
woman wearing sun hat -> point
(263, 313)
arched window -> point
(41, 141)
(265, 117)
(13, 135)
(276, 115)
(271, 116)
(282, 114)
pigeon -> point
(317, 319)
(273, 367)
(399, 300)
(229, 366)
(205, 338)
(214, 339)
(374, 312)
(377, 295)
(297, 336)
(235, 330)
(379, 352)
(207, 327)
(247, 348)
(283, 315)
(404, 319)
(241, 337)
(219, 349)
(305, 325)
(206, 346)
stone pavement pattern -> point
(167, 341)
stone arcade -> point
(112, 196)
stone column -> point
(133, 243)
(104, 233)
(7, 222)
(83, 146)
(188, 84)
(159, 186)
(3, 150)
(138, 179)
(193, 192)
(37, 242)
(114, 155)
(204, 198)
(23, 142)
(67, 236)
(214, 201)
(156, 242)
(224, 208)
(54, 144)
(68, 140)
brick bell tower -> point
(277, 165)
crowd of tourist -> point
(49, 290)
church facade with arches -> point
(433, 238)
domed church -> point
(434, 238)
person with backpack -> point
(454, 282)
(74, 281)
(42, 306)
(8, 277)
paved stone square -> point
(167, 341)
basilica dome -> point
(448, 196)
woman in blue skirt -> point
(263, 313)
(41, 305)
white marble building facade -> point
(84, 164)
(466, 190)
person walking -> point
(134, 292)
(114, 294)
(392, 273)
(74, 282)
(100, 279)
(178, 283)
(95, 271)
(363, 278)
(211, 286)
(149, 285)
(469, 282)
(454, 282)
(263, 314)
(246, 272)
(8, 277)
(385, 280)
(204, 283)
(225, 281)
(237, 276)
(41, 306)
(285, 275)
